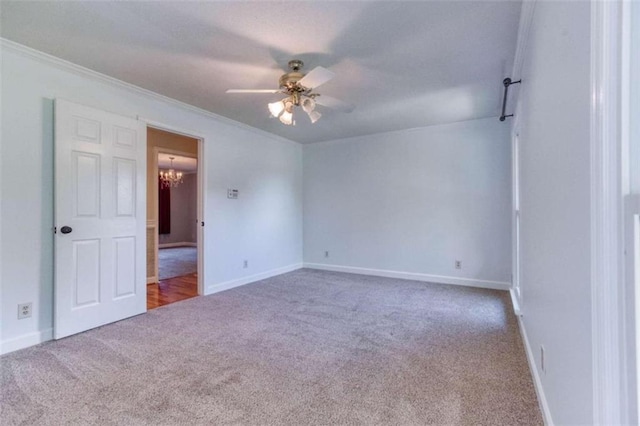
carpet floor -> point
(177, 261)
(307, 347)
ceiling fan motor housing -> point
(289, 81)
(296, 64)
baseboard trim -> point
(515, 303)
(439, 279)
(182, 244)
(152, 280)
(537, 382)
(22, 342)
(227, 285)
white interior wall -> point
(553, 117)
(263, 226)
(413, 202)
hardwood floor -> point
(172, 290)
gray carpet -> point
(307, 347)
(177, 261)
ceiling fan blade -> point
(334, 103)
(253, 91)
(316, 77)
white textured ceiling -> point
(403, 64)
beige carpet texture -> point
(304, 348)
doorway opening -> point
(173, 211)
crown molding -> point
(79, 70)
(398, 131)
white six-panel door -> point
(100, 218)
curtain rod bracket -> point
(507, 82)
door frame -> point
(612, 388)
(201, 180)
(629, 147)
(516, 289)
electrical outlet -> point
(458, 264)
(326, 254)
(24, 310)
(245, 264)
(543, 367)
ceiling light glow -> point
(283, 109)
(276, 108)
(287, 118)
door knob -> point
(66, 229)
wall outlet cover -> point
(24, 310)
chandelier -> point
(283, 109)
(170, 177)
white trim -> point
(103, 78)
(537, 383)
(439, 279)
(516, 263)
(227, 285)
(25, 341)
(607, 293)
(1, 198)
(172, 129)
(202, 210)
(180, 244)
(632, 324)
(515, 303)
(524, 26)
(396, 132)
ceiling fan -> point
(299, 88)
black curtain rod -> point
(507, 82)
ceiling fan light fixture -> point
(276, 108)
(314, 116)
(287, 118)
(308, 105)
(288, 104)
(299, 87)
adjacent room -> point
(172, 217)
(314, 213)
